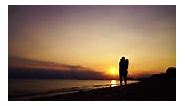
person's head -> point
(122, 58)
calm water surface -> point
(18, 88)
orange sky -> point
(96, 36)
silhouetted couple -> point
(123, 66)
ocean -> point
(30, 88)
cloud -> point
(21, 68)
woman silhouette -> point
(125, 71)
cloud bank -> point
(21, 68)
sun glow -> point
(113, 71)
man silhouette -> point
(123, 66)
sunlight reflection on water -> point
(114, 83)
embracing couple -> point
(123, 70)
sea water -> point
(39, 87)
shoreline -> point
(65, 91)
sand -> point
(149, 90)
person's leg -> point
(125, 78)
(120, 79)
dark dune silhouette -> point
(171, 73)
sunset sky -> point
(95, 37)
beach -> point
(142, 91)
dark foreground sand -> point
(149, 90)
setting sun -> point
(113, 71)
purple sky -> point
(95, 36)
